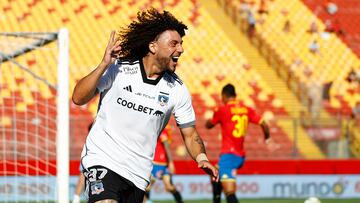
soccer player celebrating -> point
(164, 166)
(233, 117)
(138, 93)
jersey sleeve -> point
(216, 116)
(108, 77)
(254, 117)
(183, 110)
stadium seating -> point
(349, 34)
(332, 64)
(346, 13)
(205, 66)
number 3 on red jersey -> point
(240, 125)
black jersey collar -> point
(145, 78)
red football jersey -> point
(160, 156)
(234, 118)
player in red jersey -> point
(233, 118)
(163, 166)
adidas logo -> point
(128, 88)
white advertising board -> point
(37, 188)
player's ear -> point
(152, 47)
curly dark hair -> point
(135, 38)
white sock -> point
(76, 199)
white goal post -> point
(34, 116)
(62, 155)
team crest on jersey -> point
(96, 187)
(163, 98)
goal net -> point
(34, 117)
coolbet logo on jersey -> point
(134, 106)
(140, 108)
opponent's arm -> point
(85, 89)
(196, 149)
(265, 129)
(271, 145)
(211, 121)
(208, 124)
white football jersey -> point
(133, 110)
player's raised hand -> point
(209, 169)
(112, 50)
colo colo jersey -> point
(160, 152)
(234, 118)
(133, 110)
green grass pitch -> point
(271, 201)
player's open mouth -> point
(175, 58)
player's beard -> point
(167, 64)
